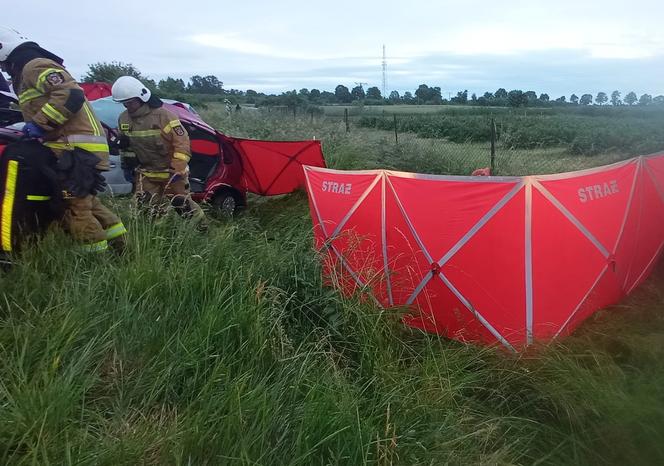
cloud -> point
(233, 43)
(555, 47)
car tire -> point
(225, 204)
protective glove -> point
(32, 130)
(117, 141)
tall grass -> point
(226, 348)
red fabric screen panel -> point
(94, 91)
(275, 167)
(494, 260)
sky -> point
(558, 47)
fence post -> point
(396, 133)
(346, 119)
(493, 146)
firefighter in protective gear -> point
(54, 105)
(162, 149)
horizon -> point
(563, 49)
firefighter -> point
(56, 112)
(161, 147)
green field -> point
(225, 348)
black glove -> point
(117, 142)
(79, 174)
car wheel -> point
(225, 204)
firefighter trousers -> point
(157, 193)
(89, 221)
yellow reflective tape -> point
(116, 230)
(52, 113)
(143, 133)
(94, 247)
(35, 197)
(162, 175)
(44, 74)
(170, 125)
(28, 95)
(93, 120)
(8, 205)
(89, 146)
(181, 156)
(124, 126)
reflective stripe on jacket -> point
(157, 137)
(51, 98)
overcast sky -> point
(557, 46)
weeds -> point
(226, 348)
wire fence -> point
(471, 143)
(502, 141)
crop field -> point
(226, 348)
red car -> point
(222, 168)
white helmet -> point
(9, 40)
(128, 87)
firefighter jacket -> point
(158, 139)
(51, 98)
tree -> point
(304, 93)
(428, 95)
(394, 96)
(291, 99)
(488, 96)
(630, 98)
(601, 98)
(561, 99)
(530, 98)
(461, 97)
(314, 95)
(358, 93)
(586, 99)
(408, 97)
(252, 96)
(574, 99)
(500, 94)
(544, 97)
(435, 96)
(422, 93)
(171, 86)
(659, 100)
(205, 85)
(327, 96)
(645, 99)
(108, 72)
(516, 98)
(615, 98)
(342, 94)
(374, 93)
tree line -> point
(211, 86)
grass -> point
(367, 148)
(226, 348)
